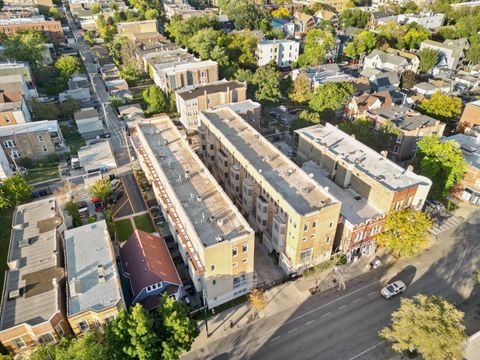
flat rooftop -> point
(189, 66)
(193, 91)
(354, 208)
(45, 125)
(361, 156)
(93, 280)
(92, 156)
(300, 191)
(34, 255)
(206, 205)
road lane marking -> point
(291, 331)
(357, 299)
(342, 307)
(365, 351)
(309, 322)
(275, 338)
(371, 293)
(326, 314)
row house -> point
(17, 77)
(51, 28)
(294, 216)
(13, 109)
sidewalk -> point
(287, 296)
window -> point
(15, 154)
(314, 224)
(245, 248)
(399, 139)
(83, 326)
(235, 264)
(304, 239)
(40, 138)
(59, 330)
(330, 225)
(244, 261)
(109, 319)
(234, 252)
(305, 226)
(312, 236)
(395, 150)
(44, 148)
(9, 144)
(19, 343)
(305, 255)
(214, 282)
(46, 338)
(328, 239)
(264, 223)
(212, 267)
(7, 119)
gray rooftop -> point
(362, 157)
(35, 266)
(193, 91)
(214, 214)
(404, 117)
(426, 86)
(301, 192)
(354, 208)
(388, 58)
(92, 156)
(93, 281)
(36, 126)
(86, 114)
(470, 146)
(240, 107)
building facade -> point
(13, 109)
(294, 216)
(51, 28)
(213, 238)
(282, 52)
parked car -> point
(83, 208)
(98, 203)
(395, 288)
(115, 184)
(117, 195)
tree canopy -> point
(331, 96)
(429, 325)
(100, 189)
(442, 107)
(67, 65)
(354, 17)
(14, 191)
(363, 43)
(25, 45)
(281, 12)
(267, 84)
(428, 59)
(246, 15)
(317, 44)
(442, 162)
(301, 91)
(155, 98)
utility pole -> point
(205, 309)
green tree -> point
(69, 107)
(442, 107)
(405, 232)
(429, 325)
(25, 45)
(428, 59)
(246, 15)
(96, 8)
(155, 99)
(267, 84)
(89, 38)
(317, 44)
(408, 79)
(354, 17)
(473, 53)
(100, 189)
(143, 340)
(177, 331)
(442, 162)
(414, 37)
(301, 91)
(42, 111)
(363, 43)
(67, 65)
(182, 30)
(305, 118)
(282, 13)
(365, 132)
(72, 210)
(331, 96)
(14, 191)
(152, 14)
(204, 41)
(241, 49)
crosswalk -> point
(445, 224)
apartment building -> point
(214, 240)
(193, 99)
(94, 293)
(13, 109)
(170, 77)
(33, 310)
(17, 77)
(351, 164)
(34, 140)
(51, 28)
(40, 4)
(282, 52)
(130, 29)
(250, 110)
(5, 167)
(295, 216)
(410, 124)
(157, 53)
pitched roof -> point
(145, 257)
(365, 100)
(387, 57)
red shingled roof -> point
(146, 259)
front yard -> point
(123, 229)
(42, 173)
(144, 222)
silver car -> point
(397, 287)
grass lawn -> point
(42, 173)
(143, 222)
(124, 229)
(72, 138)
(6, 225)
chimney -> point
(101, 273)
(384, 153)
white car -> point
(395, 288)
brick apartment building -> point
(51, 28)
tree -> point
(408, 79)
(363, 43)
(305, 118)
(182, 30)
(331, 96)
(155, 99)
(14, 191)
(428, 59)
(177, 331)
(69, 107)
(365, 132)
(428, 325)
(282, 13)
(414, 37)
(96, 8)
(246, 15)
(257, 300)
(301, 92)
(267, 83)
(72, 210)
(405, 232)
(143, 340)
(354, 17)
(473, 53)
(89, 38)
(25, 45)
(317, 44)
(100, 189)
(442, 107)
(442, 162)
(152, 14)
(204, 41)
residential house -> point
(32, 307)
(13, 109)
(173, 77)
(322, 74)
(426, 89)
(51, 28)
(359, 105)
(368, 185)
(382, 4)
(33, 140)
(213, 238)
(130, 29)
(470, 116)
(385, 81)
(94, 292)
(428, 19)
(465, 81)
(336, 6)
(193, 99)
(294, 217)
(97, 157)
(470, 146)
(78, 81)
(17, 77)
(448, 56)
(282, 52)
(381, 60)
(413, 60)
(82, 95)
(412, 126)
(149, 268)
(43, 5)
(377, 18)
(303, 22)
(115, 85)
(89, 123)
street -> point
(345, 325)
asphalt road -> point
(345, 325)
(134, 193)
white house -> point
(427, 19)
(282, 52)
(448, 56)
(380, 60)
(88, 122)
